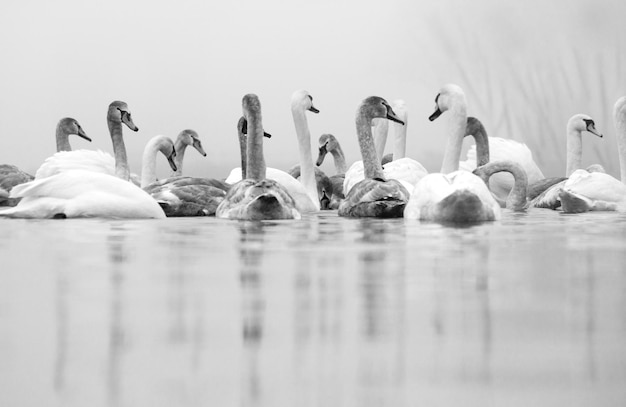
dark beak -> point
(313, 109)
(81, 133)
(128, 121)
(170, 160)
(435, 114)
(198, 146)
(391, 115)
(267, 135)
(592, 129)
(321, 155)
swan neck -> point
(371, 161)
(340, 160)
(620, 126)
(62, 138)
(482, 146)
(307, 171)
(180, 148)
(399, 139)
(381, 130)
(243, 148)
(255, 161)
(516, 200)
(456, 133)
(148, 162)
(574, 151)
(119, 150)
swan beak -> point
(592, 129)
(81, 133)
(128, 121)
(392, 116)
(435, 114)
(170, 160)
(267, 135)
(322, 154)
(313, 109)
(198, 146)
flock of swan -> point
(497, 173)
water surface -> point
(324, 311)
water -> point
(320, 312)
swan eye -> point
(437, 98)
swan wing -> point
(375, 198)
(257, 200)
(187, 196)
(88, 160)
(405, 169)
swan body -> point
(82, 194)
(452, 195)
(597, 191)
(97, 161)
(11, 175)
(545, 193)
(374, 196)
(323, 184)
(256, 198)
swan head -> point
(119, 113)
(242, 128)
(449, 96)
(377, 107)
(301, 99)
(619, 111)
(582, 122)
(327, 143)
(71, 126)
(190, 137)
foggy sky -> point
(187, 64)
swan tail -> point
(462, 206)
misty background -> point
(526, 67)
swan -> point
(82, 192)
(97, 161)
(184, 139)
(505, 149)
(545, 193)
(402, 168)
(10, 175)
(453, 195)
(179, 195)
(329, 144)
(256, 197)
(304, 192)
(597, 191)
(374, 196)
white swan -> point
(374, 196)
(453, 195)
(10, 175)
(184, 139)
(545, 193)
(596, 191)
(304, 192)
(75, 193)
(404, 169)
(256, 198)
(97, 161)
(329, 144)
(505, 149)
(179, 195)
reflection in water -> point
(323, 311)
(251, 247)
